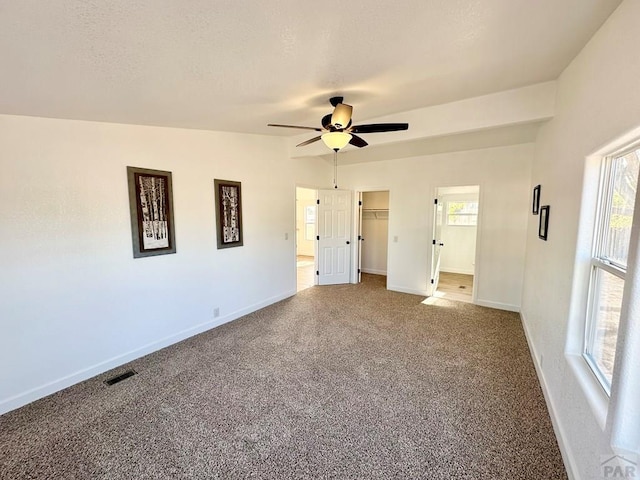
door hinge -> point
(359, 237)
(434, 241)
(360, 202)
(318, 238)
(358, 270)
(435, 201)
(432, 281)
(318, 201)
(318, 273)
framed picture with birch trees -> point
(228, 213)
(151, 207)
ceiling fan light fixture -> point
(336, 140)
(341, 115)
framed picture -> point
(536, 200)
(543, 227)
(228, 213)
(151, 207)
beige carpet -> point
(346, 381)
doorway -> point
(372, 232)
(374, 236)
(305, 237)
(455, 234)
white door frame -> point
(476, 269)
(436, 245)
(295, 225)
(357, 222)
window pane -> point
(624, 171)
(462, 213)
(462, 207)
(466, 220)
(606, 312)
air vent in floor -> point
(121, 377)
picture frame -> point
(228, 203)
(151, 212)
(536, 200)
(543, 226)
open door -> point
(455, 224)
(438, 212)
(334, 236)
(360, 238)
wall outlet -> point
(216, 312)
(395, 238)
(286, 236)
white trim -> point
(357, 213)
(374, 271)
(592, 389)
(498, 305)
(396, 288)
(461, 271)
(567, 457)
(41, 391)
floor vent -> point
(121, 377)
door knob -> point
(348, 242)
(441, 244)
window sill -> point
(596, 397)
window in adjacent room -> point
(618, 187)
(462, 212)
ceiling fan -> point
(338, 129)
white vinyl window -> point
(462, 213)
(618, 186)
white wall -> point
(503, 175)
(598, 100)
(459, 252)
(74, 301)
(375, 231)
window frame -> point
(598, 259)
(468, 215)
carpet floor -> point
(347, 381)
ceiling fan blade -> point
(379, 127)
(307, 142)
(294, 126)
(341, 115)
(357, 141)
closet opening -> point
(374, 233)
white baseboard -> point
(397, 288)
(457, 270)
(373, 271)
(567, 457)
(500, 306)
(41, 391)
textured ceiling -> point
(238, 65)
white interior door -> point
(360, 239)
(438, 212)
(334, 236)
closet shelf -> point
(375, 213)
